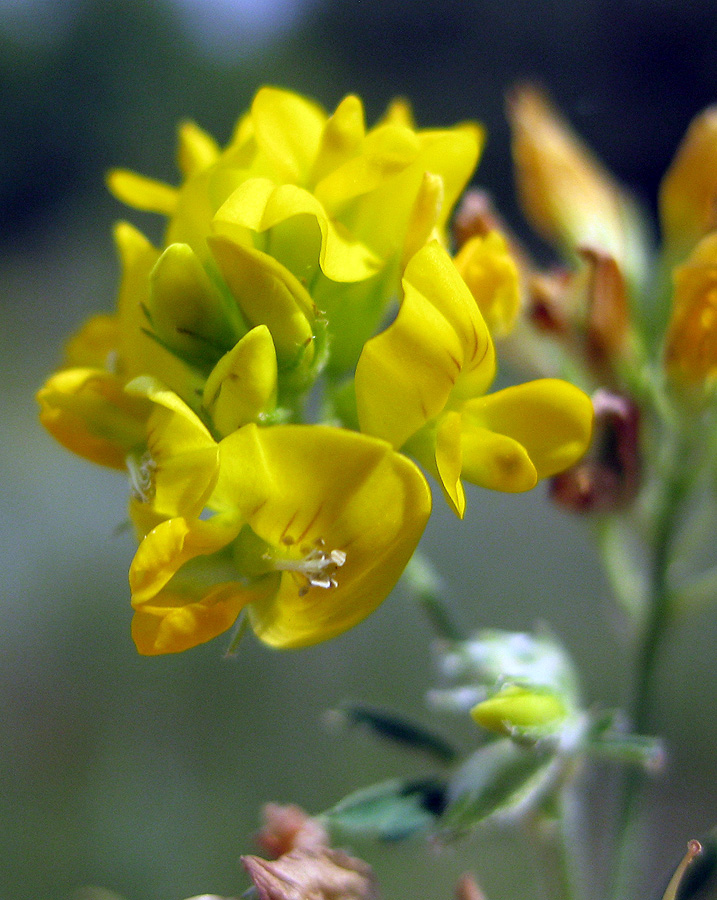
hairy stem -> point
(675, 481)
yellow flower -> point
(88, 412)
(569, 197)
(174, 471)
(688, 193)
(691, 340)
(335, 205)
(491, 274)
(420, 385)
(301, 211)
(314, 526)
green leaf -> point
(392, 727)
(390, 811)
(498, 778)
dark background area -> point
(146, 776)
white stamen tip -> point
(316, 568)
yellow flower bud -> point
(492, 276)
(517, 710)
(569, 197)
(691, 340)
(688, 192)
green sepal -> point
(188, 313)
(390, 811)
(392, 727)
(500, 777)
(605, 740)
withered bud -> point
(550, 301)
(288, 828)
(607, 324)
(306, 875)
(476, 217)
(608, 477)
(467, 889)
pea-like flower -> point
(421, 384)
(338, 208)
(313, 528)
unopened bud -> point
(517, 710)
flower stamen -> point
(316, 567)
(141, 476)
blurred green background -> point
(146, 776)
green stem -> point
(555, 857)
(677, 475)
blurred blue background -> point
(146, 776)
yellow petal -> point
(495, 461)
(88, 412)
(399, 112)
(491, 274)
(691, 340)
(183, 457)
(95, 345)
(688, 193)
(449, 461)
(197, 149)
(387, 151)
(183, 617)
(341, 138)
(243, 383)
(438, 347)
(516, 708)
(375, 193)
(549, 418)
(142, 193)
(405, 375)
(288, 130)
(170, 546)
(270, 295)
(258, 204)
(140, 354)
(425, 216)
(438, 448)
(331, 488)
(187, 312)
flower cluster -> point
(250, 386)
(636, 321)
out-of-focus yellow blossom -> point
(688, 215)
(314, 526)
(569, 197)
(688, 193)
(491, 274)
(691, 340)
(420, 384)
